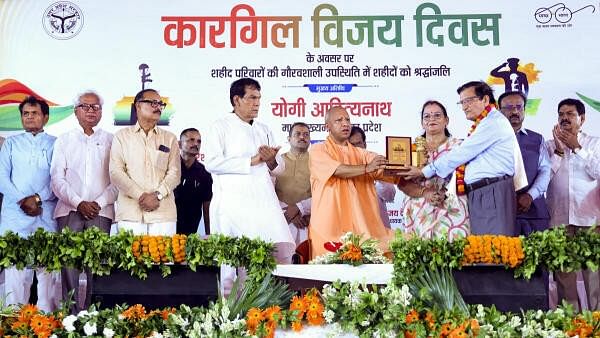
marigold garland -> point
(491, 249)
(159, 249)
(460, 171)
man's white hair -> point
(77, 99)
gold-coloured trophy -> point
(398, 154)
(419, 154)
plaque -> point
(398, 154)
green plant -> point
(437, 289)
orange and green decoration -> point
(13, 92)
(125, 117)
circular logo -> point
(62, 20)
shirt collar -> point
(522, 130)
(94, 129)
(137, 128)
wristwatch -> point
(159, 196)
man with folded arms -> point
(293, 184)
(145, 167)
(81, 182)
(492, 157)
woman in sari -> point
(433, 209)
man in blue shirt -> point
(490, 154)
(532, 211)
(28, 199)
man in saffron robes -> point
(343, 193)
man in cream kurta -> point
(343, 191)
(293, 185)
(241, 156)
(145, 167)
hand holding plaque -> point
(398, 154)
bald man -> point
(342, 182)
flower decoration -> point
(352, 249)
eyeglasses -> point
(88, 107)
(434, 116)
(467, 100)
(509, 108)
(154, 103)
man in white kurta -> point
(241, 156)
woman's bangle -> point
(560, 153)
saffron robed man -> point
(343, 191)
(490, 161)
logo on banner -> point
(517, 77)
(124, 110)
(63, 20)
(558, 15)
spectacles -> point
(509, 108)
(88, 107)
(155, 103)
(434, 116)
(467, 100)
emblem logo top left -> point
(62, 20)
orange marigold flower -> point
(27, 311)
(52, 323)
(429, 319)
(272, 313)
(270, 329)
(474, 326)
(353, 253)
(310, 297)
(19, 325)
(135, 312)
(254, 316)
(251, 327)
(297, 326)
(459, 332)
(43, 333)
(38, 323)
(445, 329)
(412, 316)
(315, 318)
(410, 334)
(298, 304)
(315, 306)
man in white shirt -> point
(241, 155)
(81, 182)
(574, 191)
